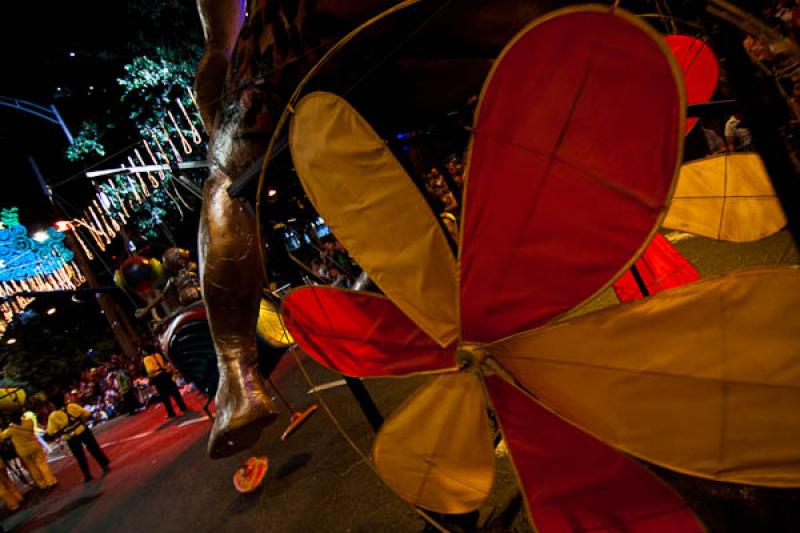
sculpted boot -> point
(243, 405)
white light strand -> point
(153, 181)
(100, 230)
(187, 148)
(160, 148)
(175, 151)
(196, 137)
(85, 248)
(196, 108)
(177, 192)
(154, 160)
(134, 190)
(177, 205)
(114, 203)
(125, 214)
(142, 184)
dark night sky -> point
(37, 39)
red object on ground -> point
(249, 476)
(361, 334)
(556, 200)
(700, 70)
(297, 420)
(661, 267)
(574, 482)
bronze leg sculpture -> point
(264, 56)
(230, 267)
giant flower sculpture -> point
(571, 166)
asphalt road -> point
(162, 480)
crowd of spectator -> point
(110, 389)
(444, 192)
(436, 184)
(334, 266)
(774, 54)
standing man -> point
(124, 385)
(70, 421)
(161, 377)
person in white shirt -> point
(737, 137)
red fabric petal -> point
(573, 482)
(573, 156)
(360, 334)
(700, 69)
(661, 267)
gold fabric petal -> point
(270, 326)
(703, 379)
(728, 197)
(375, 210)
(435, 450)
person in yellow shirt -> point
(38, 431)
(9, 492)
(161, 377)
(69, 421)
(30, 451)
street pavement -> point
(161, 478)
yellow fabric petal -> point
(270, 326)
(703, 379)
(375, 210)
(435, 450)
(727, 197)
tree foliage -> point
(152, 83)
(51, 353)
(86, 143)
(157, 71)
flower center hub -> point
(470, 356)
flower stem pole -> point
(637, 277)
(365, 402)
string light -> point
(175, 151)
(187, 148)
(154, 160)
(153, 181)
(196, 138)
(115, 202)
(142, 184)
(158, 144)
(33, 266)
